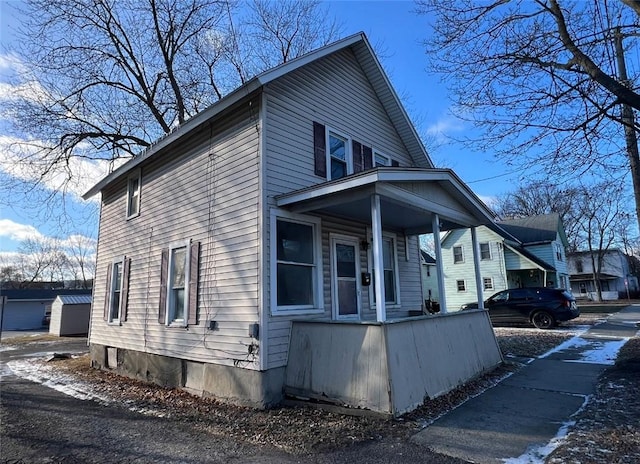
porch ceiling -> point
(409, 197)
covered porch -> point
(390, 365)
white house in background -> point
(525, 252)
(616, 277)
(269, 246)
(429, 277)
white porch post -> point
(435, 225)
(476, 268)
(378, 265)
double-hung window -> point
(461, 285)
(177, 284)
(133, 194)
(390, 267)
(296, 265)
(485, 251)
(117, 289)
(487, 283)
(179, 275)
(458, 254)
(339, 157)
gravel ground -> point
(606, 430)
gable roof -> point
(74, 299)
(370, 66)
(428, 259)
(531, 230)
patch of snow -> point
(536, 454)
(575, 342)
(603, 353)
(8, 348)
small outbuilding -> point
(70, 315)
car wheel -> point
(543, 320)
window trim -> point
(396, 271)
(110, 319)
(135, 175)
(318, 288)
(464, 285)
(484, 283)
(453, 249)
(488, 249)
(348, 152)
(169, 320)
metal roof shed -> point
(70, 315)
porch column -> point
(435, 225)
(476, 268)
(378, 265)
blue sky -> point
(394, 29)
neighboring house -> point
(616, 278)
(526, 252)
(429, 277)
(269, 246)
(25, 309)
(70, 315)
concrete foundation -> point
(260, 389)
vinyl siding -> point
(335, 92)
(493, 268)
(409, 277)
(205, 189)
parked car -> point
(542, 307)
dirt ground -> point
(606, 431)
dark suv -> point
(542, 307)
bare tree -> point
(542, 80)
(37, 260)
(542, 197)
(103, 79)
(81, 259)
(602, 217)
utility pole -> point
(630, 136)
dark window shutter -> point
(107, 293)
(367, 156)
(164, 271)
(125, 288)
(319, 150)
(395, 163)
(192, 307)
(358, 164)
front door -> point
(345, 270)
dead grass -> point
(21, 340)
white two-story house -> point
(269, 246)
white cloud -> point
(18, 232)
(444, 127)
(23, 160)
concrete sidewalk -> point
(526, 411)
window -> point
(487, 283)
(458, 255)
(295, 250)
(579, 266)
(177, 285)
(338, 156)
(558, 252)
(115, 302)
(381, 160)
(389, 264)
(179, 269)
(485, 251)
(133, 195)
(461, 286)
